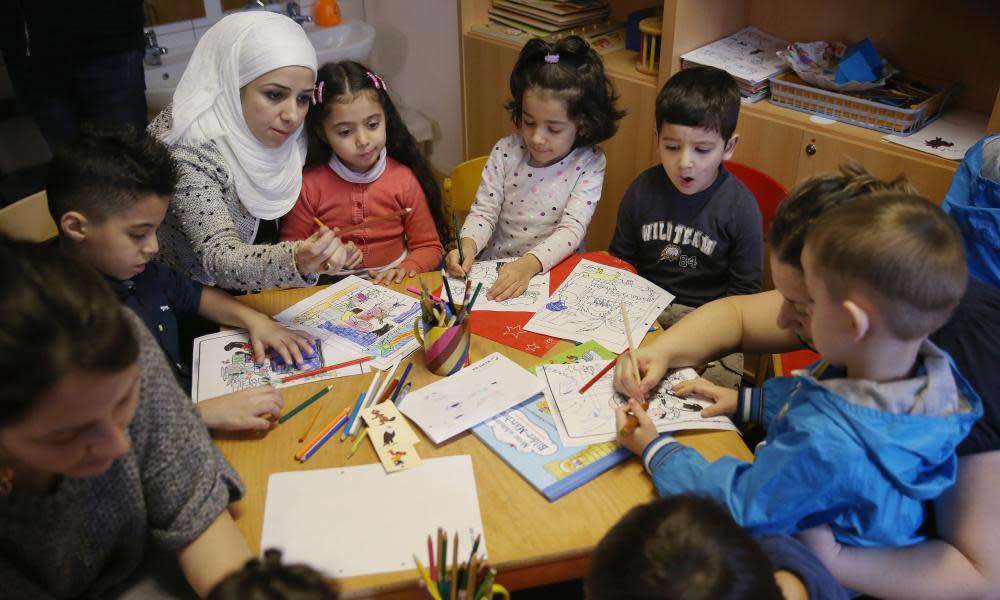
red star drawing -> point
(513, 330)
(532, 347)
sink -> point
(352, 40)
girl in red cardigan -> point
(363, 163)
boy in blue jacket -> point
(860, 452)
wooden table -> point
(531, 541)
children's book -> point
(526, 438)
(223, 364)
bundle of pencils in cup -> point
(437, 313)
(470, 580)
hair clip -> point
(377, 81)
(552, 58)
(318, 93)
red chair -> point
(768, 192)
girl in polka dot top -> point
(541, 185)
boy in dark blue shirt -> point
(688, 225)
(108, 193)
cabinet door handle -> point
(810, 149)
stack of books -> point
(544, 18)
(749, 55)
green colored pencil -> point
(299, 408)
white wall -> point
(416, 51)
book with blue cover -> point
(526, 438)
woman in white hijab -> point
(235, 129)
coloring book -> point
(365, 318)
(589, 418)
(526, 438)
(532, 300)
(223, 364)
(588, 306)
(485, 388)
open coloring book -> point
(526, 438)
(223, 363)
(589, 418)
(366, 318)
(532, 300)
(588, 306)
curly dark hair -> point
(341, 82)
(269, 579)
(576, 77)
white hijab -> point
(206, 106)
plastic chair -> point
(28, 219)
(460, 188)
(768, 192)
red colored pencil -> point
(600, 374)
(356, 361)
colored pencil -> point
(430, 553)
(632, 422)
(316, 443)
(447, 289)
(349, 363)
(304, 404)
(357, 442)
(467, 309)
(373, 220)
(318, 222)
(470, 584)
(475, 547)
(312, 422)
(354, 415)
(431, 588)
(601, 373)
(458, 240)
(416, 290)
(402, 380)
(454, 568)
(388, 391)
(352, 427)
(486, 589)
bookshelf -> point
(956, 41)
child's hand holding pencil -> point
(635, 439)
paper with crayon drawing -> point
(485, 272)
(485, 388)
(223, 364)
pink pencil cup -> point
(446, 349)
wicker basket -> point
(790, 91)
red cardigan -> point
(339, 203)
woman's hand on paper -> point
(453, 260)
(652, 368)
(723, 397)
(642, 435)
(252, 409)
(289, 344)
(391, 275)
(514, 278)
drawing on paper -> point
(486, 272)
(360, 315)
(588, 305)
(591, 414)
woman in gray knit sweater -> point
(235, 129)
(103, 460)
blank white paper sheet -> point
(351, 521)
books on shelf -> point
(527, 439)
(544, 19)
(749, 55)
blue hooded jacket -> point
(863, 463)
(973, 200)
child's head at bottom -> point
(683, 546)
(886, 268)
(108, 193)
(269, 579)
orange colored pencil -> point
(356, 361)
(302, 452)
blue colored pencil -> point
(323, 440)
(354, 414)
(402, 380)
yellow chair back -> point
(28, 219)
(460, 188)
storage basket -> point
(790, 91)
